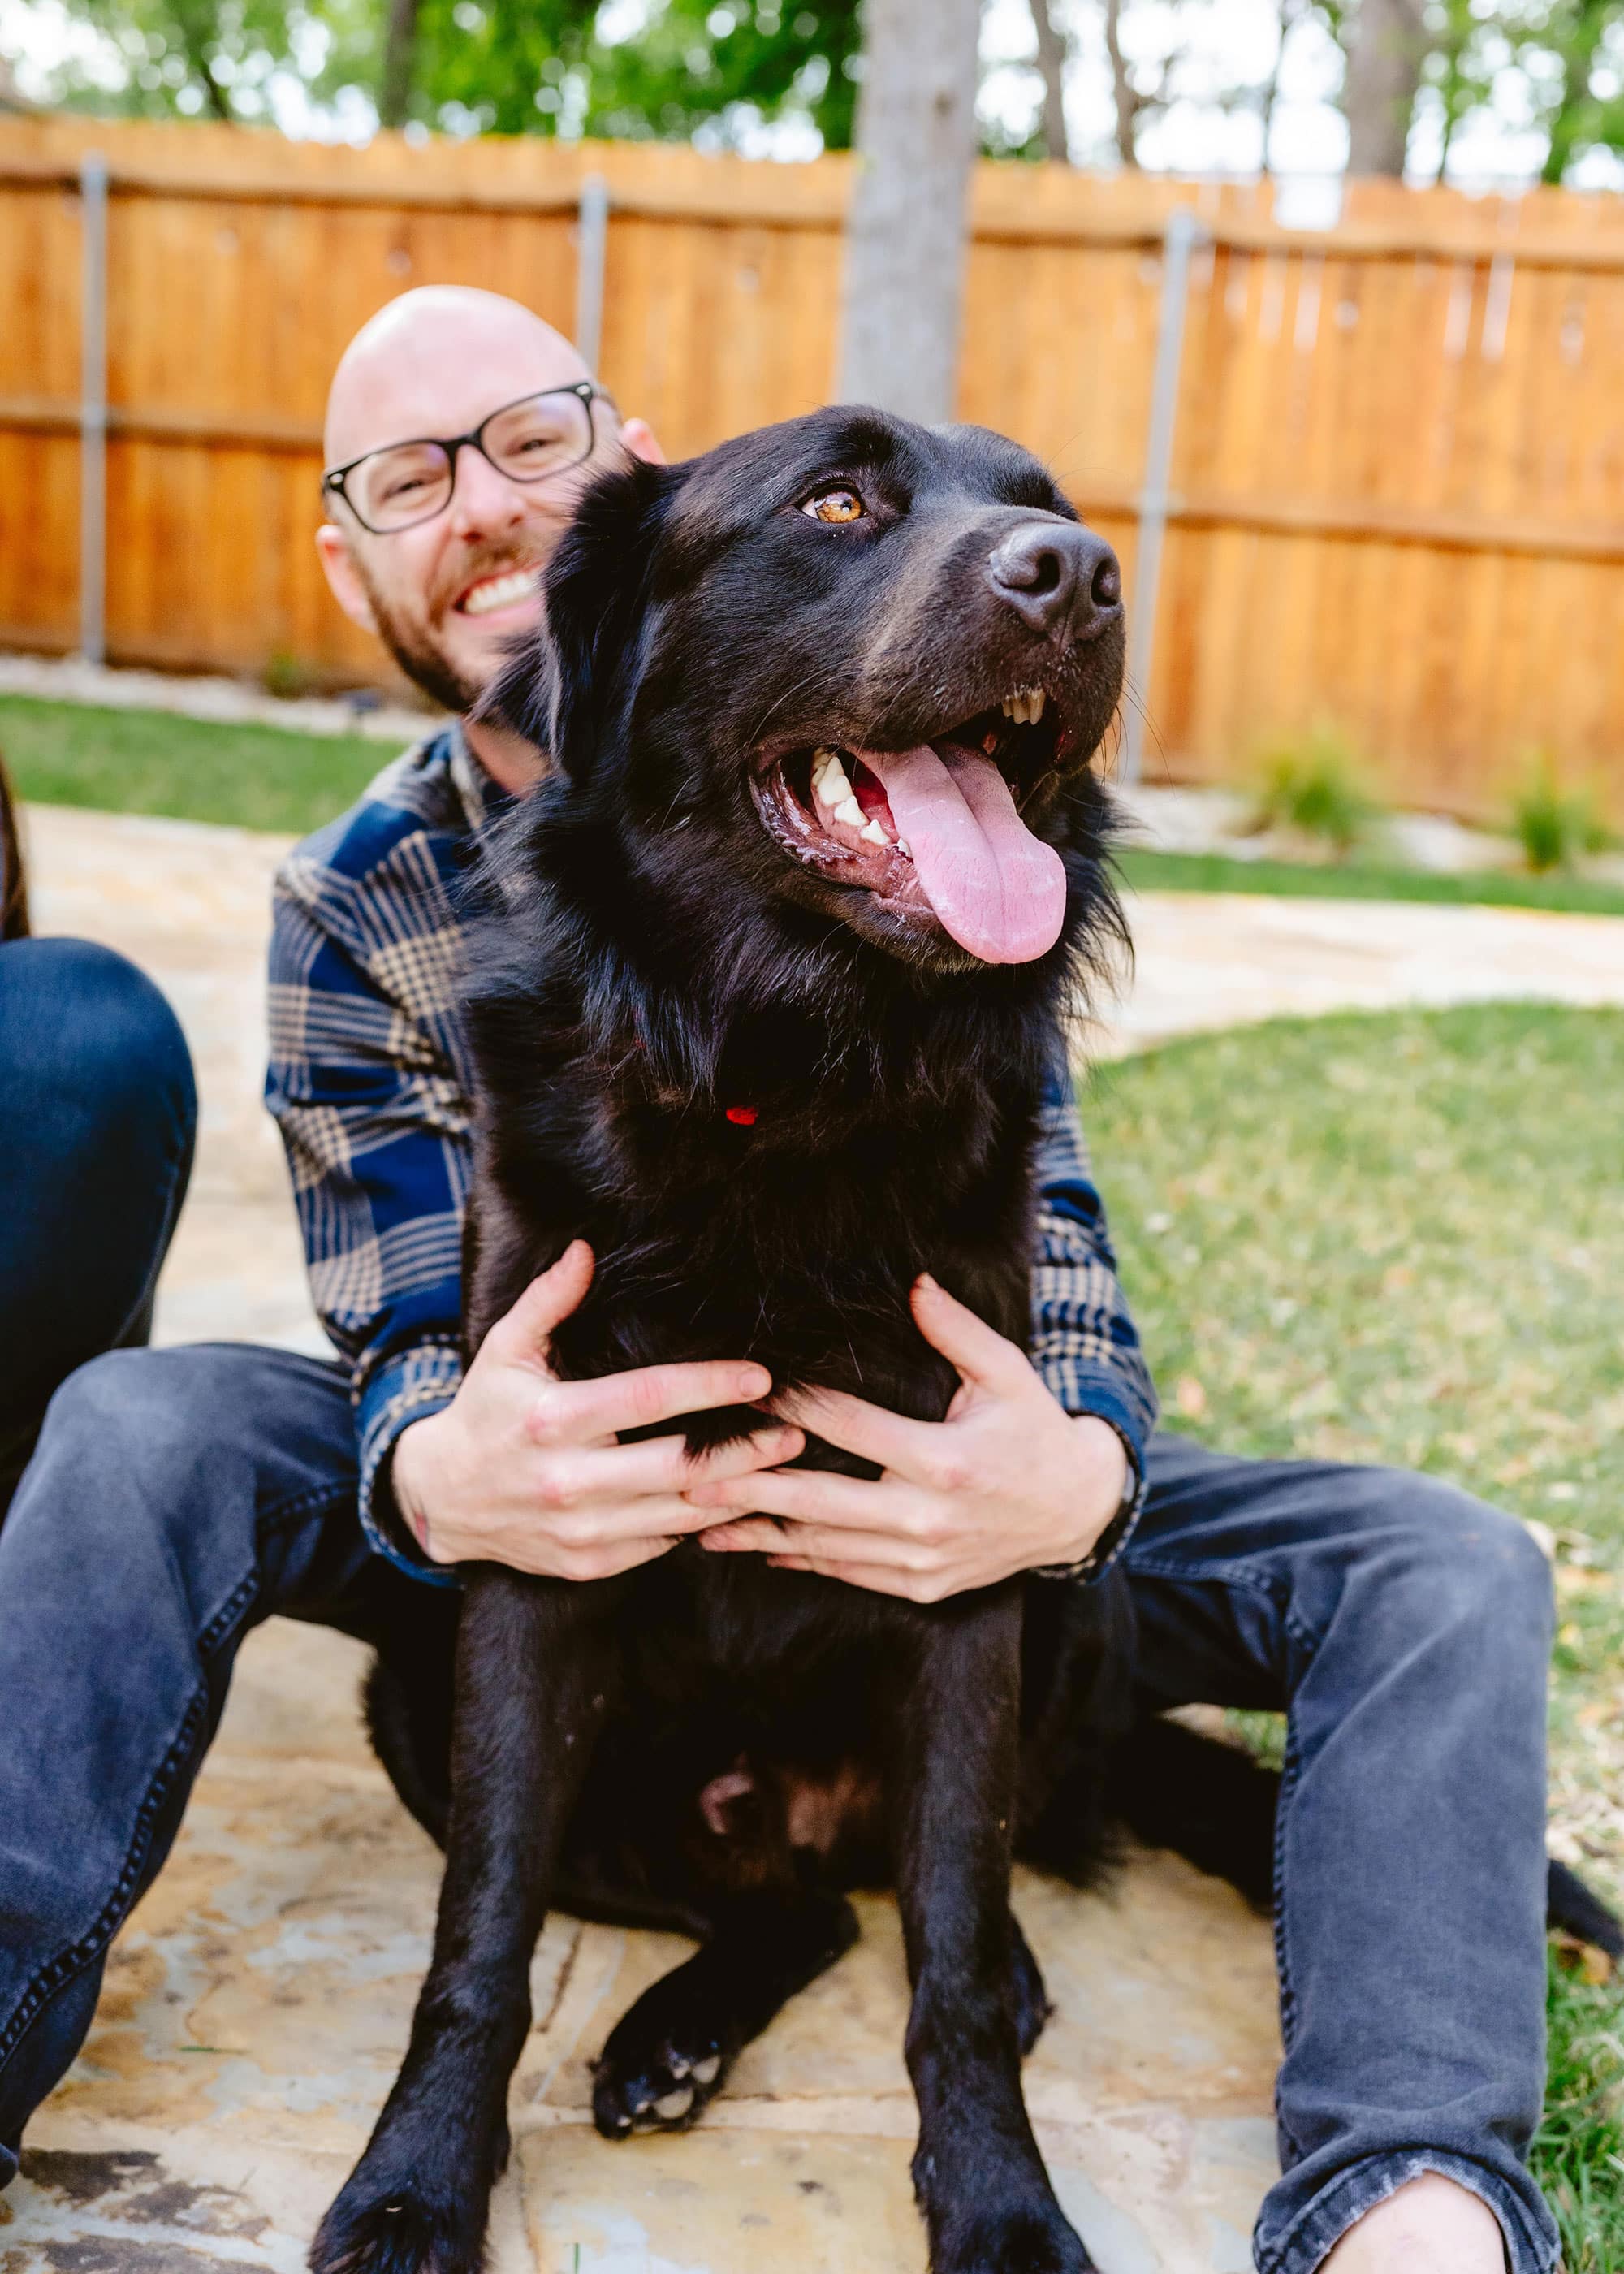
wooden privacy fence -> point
(1372, 476)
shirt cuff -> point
(403, 1389)
(1098, 1394)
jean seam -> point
(282, 1513)
(1290, 1769)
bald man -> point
(180, 1495)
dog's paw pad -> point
(659, 2087)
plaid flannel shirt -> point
(370, 1081)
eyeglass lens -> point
(544, 434)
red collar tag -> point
(743, 1114)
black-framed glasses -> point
(530, 441)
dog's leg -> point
(530, 1682)
(670, 2054)
(953, 1716)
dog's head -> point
(860, 663)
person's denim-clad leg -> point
(97, 1115)
(176, 1498)
(1404, 1627)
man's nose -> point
(1058, 577)
(482, 499)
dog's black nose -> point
(1058, 577)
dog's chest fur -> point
(788, 1229)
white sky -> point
(1224, 44)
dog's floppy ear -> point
(555, 689)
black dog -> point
(773, 1038)
(773, 1062)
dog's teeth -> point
(874, 834)
(904, 847)
(675, 2103)
(830, 781)
(1009, 706)
(1035, 707)
(706, 2071)
(848, 810)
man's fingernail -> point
(928, 1284)
(754, 1381)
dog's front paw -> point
(399, 2234)
(1028, 2243)
(664, 2062)
(973, 2232)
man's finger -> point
(878, 1579)
(980, 1354)
(664, 1464)
(578, 1413)
(857, 1427)
(809, 1496)
(661, 1519)
(821, 1543)
(523, 1335)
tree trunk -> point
(1121, 88)
(400, 47)
(906, 235)
(1386, 51)
(1052, 63)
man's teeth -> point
(500, 592)
(833, 789)
(1025, 707)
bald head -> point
(437, 361)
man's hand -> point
(1008, 1481)
(524, 1469)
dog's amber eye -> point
(835, 505)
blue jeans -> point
(191, 1492)
(97, 1116)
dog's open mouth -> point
(935, 830)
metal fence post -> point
(591, 247)
(93, 409)
(1184, 233)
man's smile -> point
(510, 588)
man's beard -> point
(414, 646)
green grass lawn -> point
(1401, 1238)
(1361, 880)
(154, 762)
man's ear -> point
(343, 579)
(556, 690)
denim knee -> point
(1448, 1563)
(110, 1035)
(137, 1415)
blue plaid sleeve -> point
(369, 1089)
(1084, 1342)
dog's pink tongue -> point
(999, 890)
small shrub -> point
(1553, 826)
(286, 677)
(1315, 789)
